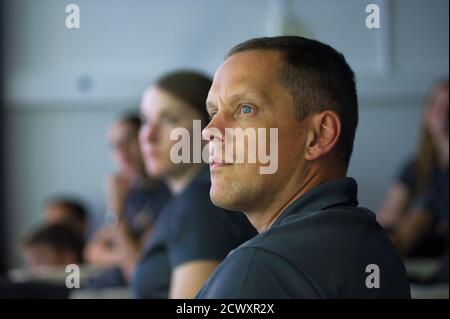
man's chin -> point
(217, 198)
(214, 198)
(222, 200)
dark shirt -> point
(408, 176)
(142, 207)
(434, 199)
(436, 202)
(143, 204)
(319, 247)
(190, 228)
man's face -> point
(246, 93)
(40, 255)
(58, 214)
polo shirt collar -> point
(341, 191)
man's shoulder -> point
(253, 272)
(349, 238)
(324, 254)
(303, 230)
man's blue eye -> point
(246, 109)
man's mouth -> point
(215, 163)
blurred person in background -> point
(134, 201)
(192, 235)
(51, 246)
(429, 213)
(415, 211)
(47, 250)
(67, 211)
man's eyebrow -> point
(249, 95)
(243, 95)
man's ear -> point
(323, 134)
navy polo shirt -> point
(189, 228)
(143, 204)
(319, 247)
(435, 200)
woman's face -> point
(161, 114)
(123, 140)
(436, 111)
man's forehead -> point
(248, 66)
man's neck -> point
(264, 219)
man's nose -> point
(213, 131)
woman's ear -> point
(323, 134)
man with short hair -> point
(67, 211)
(52, 245)
(314, 241)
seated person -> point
(134, 201)
(431, 210)
(191, 236)
(314, 240)
(67, 211)
(418, 176)
(47, 249)
(52, 245)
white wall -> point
(56, 131)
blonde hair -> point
(427, 153)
